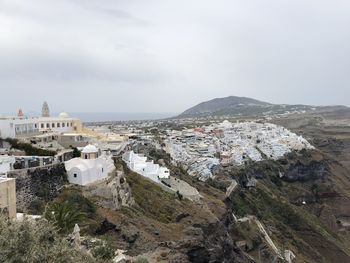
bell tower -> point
(45, 112)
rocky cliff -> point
(37, 186)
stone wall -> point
(36, 187)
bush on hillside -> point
(29, 149)
(64, 216)
(31, 242)
(100, 249)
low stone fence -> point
(14, 173)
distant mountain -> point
(241, 106)
(222, 105)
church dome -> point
(63, 115)
(90, 149)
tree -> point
(64, 216)
(76, 152)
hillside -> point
(242, 106)
(182, 231)
(299, 204)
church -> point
(90, 167)
(62, 123)
(23, 126)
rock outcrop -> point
(112, 193)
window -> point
(63, 125)
(53, 125)
(58, 125)
(42, 126)
(47, 125)
(86, 156)
(75, 175)
(102, 170)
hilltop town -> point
(134, 180)
(201, 149)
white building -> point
(21, 126)
(90, 167)
(12, 127)
(139, 164)
(6, 164)
(61, 124)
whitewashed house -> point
(139, 164)
(90, 167)
(134, 161)
(6, 164)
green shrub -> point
(29, 149)
(141, 260)
(64, 216)
(103, 251)
(84, 204)
(76, 152)
(36, 207)
(100, 249)
(36, 241)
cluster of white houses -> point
(201, 149)
(139, 164)
(160, 175)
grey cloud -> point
(165, 56)
(106, 9)
(66, 67)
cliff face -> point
(291, 201)
(36, 187)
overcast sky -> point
(166, 56)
